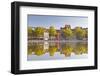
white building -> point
(46, 36)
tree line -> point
(67, 33)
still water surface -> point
(57, 50)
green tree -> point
(52, 31)
(67, 33)
(30, 32)
(86, 33)
(39, 32)
(80, 33)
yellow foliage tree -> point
(80, 33)
(68, 33)
(39, 31)
(52, 31)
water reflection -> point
(55, 50)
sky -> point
(57, 21)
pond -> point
(50, 50)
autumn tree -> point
(30, 32)
(39, 31)
(86, 33)
(67, 33)
(52, 31)
(79, 33)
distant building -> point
(46, 35)
(62, 36)
(66, 26)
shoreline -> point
(57, 40)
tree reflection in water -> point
(52, 49)
(80, 48)
(36, 49)
(66, 49)
(63, 48)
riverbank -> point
(57, 40)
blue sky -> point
(57, 21)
